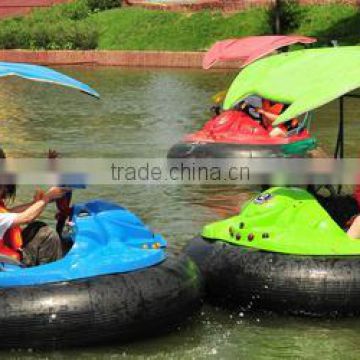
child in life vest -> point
(22, 236)
(35, 243)
(270, 111)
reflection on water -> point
(141, 113)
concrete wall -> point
(227, 5)
(111, 58)
(22, 7)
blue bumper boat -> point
(115, 283)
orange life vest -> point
(277, 109)
(12, 241)
(274, 108)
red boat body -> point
(236, 127)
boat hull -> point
(101, 309)
(260, 280)
(222, 150)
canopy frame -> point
(340, 141)
(340, 144)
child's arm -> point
(354, 230)
(272, 117)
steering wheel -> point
(315, 189)
(248, 109)
(10, 260)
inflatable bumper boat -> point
(235, 134)
(284, 252)
(115, 283)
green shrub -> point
(288, 12)
(86, 36)
(96, 5)
(76, 10)
(67, 35)
(13, 34)
(65, 26)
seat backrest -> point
(303, 124)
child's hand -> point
(55, 192)
(39, 194)
(53, 154)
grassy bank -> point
(330, 22)
(91, 24)
(139, 29)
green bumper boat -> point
(283, 252)
(287, 250)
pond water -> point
(142, 113)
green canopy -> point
(304, 79)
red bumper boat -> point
(235, 133)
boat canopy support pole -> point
(339, 150)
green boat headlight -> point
(231, 231)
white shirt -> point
(6, 221)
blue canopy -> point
(43, 74)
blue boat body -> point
(108, 239)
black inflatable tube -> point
(223, 150)
(103, 309)
(259, 280)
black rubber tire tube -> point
(223, 150)
(259, 280)
(103, 309)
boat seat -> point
(303, 124)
